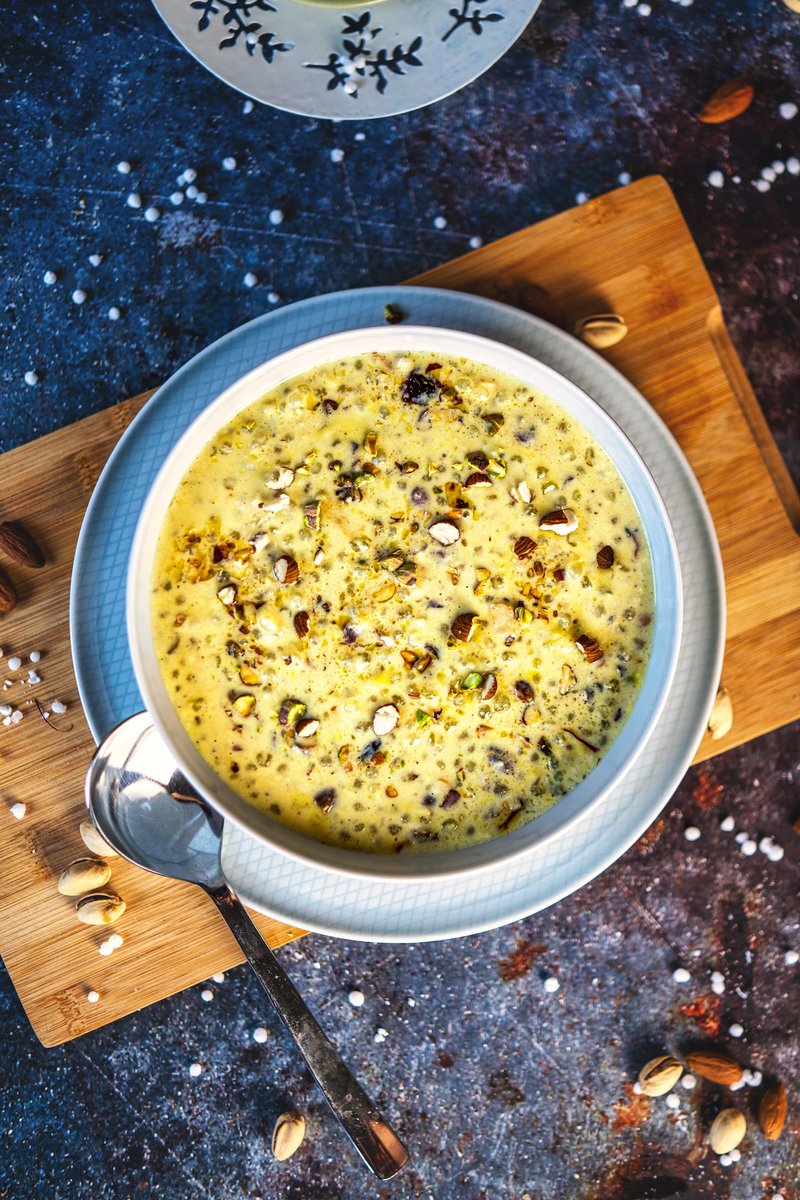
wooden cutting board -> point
(629, 252)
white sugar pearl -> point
(688, 1081)
(115, 940)
(152, 214)
(691, 833)
(380, 1035)
(360, 137)
(761, 185)
(58, 707)
(273, 297)
(644, 10)
(768, 174)
(788, 110)
(50, 278)
(681, 975)
(356, 998)
(411, 1002)
(34, 656)
(624, 178)
(201, 198)
(775, 853)
(673, 1101)
(124, 168)
(716, 179)
(105, 949)
(475, 242)
(176, 198)
(742, 837)
(219, 977)
(350, 88)
(735, 1154)
(15, 717)
(735, 1030)
(93, 997)
(717, 983)
(765, 844)
(259, 1034)
(551, 984)
(778, 166)
(195, 1069)
(192, 192)
(791, 957)
(749, 847)
(725, 1160)
(95, 260)
(276, 216)
(793, 165)
(34, 678)
(248, 107)
(31, 378)
(189, 175)
(134, 200)
(629, 3)
(337, 155)
(637, 1088)
(727, 824)
(207, 995)
(250, 280)
(581, 197)
(113, 313)
(440, 222)
(756, 1079)
(14, 663)
(17, 810)
(78, 296)
(229, 163)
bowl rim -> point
(560, 390)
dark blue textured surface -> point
(502, 1091)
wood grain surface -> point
(628, 252)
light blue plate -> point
(296, 892)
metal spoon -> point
(151, 815)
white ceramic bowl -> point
(622, 753)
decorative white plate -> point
(347, 62)
(297, 892)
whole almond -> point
(287, 1137)
(729, 101)
(710, 1064)
(19, 544)
(659, 1075)
(727, 1130)
(772, 1111)
(8, 594)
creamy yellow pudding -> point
(402, 605)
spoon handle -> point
(375, 1140)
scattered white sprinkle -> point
(643, 10)
(681, 975)
(105, 949)
(134, 200)
(152, 214)
(735, 1030)
(124, 168)
(749, 847)
(78, 296)
(250, 280)
(551, 984)
(95, 260)
(688, 1081)
(788, 110)
(113, 313)
(736, 179)
(176, 198)
(273, 297)
(350, 87)
(58, 707)
(727, 824)
(716, 179)
(475, 242)
(624, 178)
(581, 198)
(229, 163)
(276, 216)
(360, 137)
(201, 198)
(251, 39)
(31, 378)
(14, 663)
(337, 155)
(219, 977)
(381, 1035)
(248, 107)
(192, 192)
(93, 997)
(778, 166)
(761, 185)
(115, 940)
(190, 175)
(755, 1079)
(34, 678)
(725, 1160)
(5, 710)
(411, 1002)
(791, 957)
(15, 717)
(34, 656)
(629, 3)
(195, 1069)
(718, 983)
(440, 222)
(17, 810)
(768, 174)
(735, 1154)
(765, 844)
(259, 1034)
(691, 833)
(50, 278)
(673, 1101)
(775, 853)
(742, 837)
(356, 998)
(793, 165)
(637, 1088)
(207, 995)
